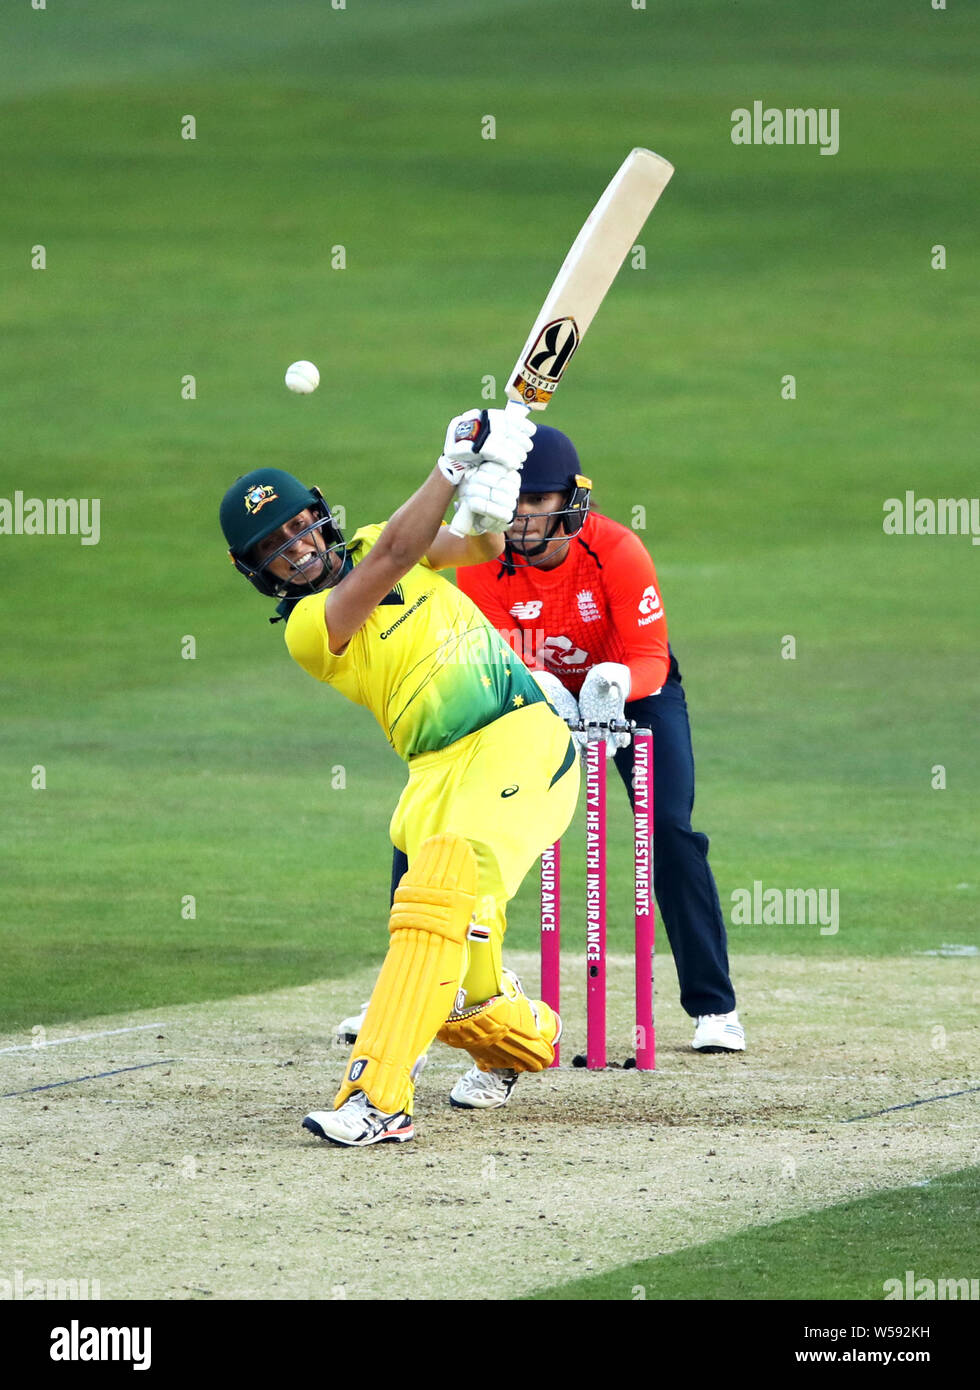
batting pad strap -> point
(504, 1032)
(421, 974)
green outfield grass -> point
(213, 777)
(841, 1252)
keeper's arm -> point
(637, 614)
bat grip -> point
(462, 521)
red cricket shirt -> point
(602, 603)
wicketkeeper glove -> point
(485, 436)
(558, 696)
(602, 700)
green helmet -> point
(258, 504)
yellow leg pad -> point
(504, 1032)
(421, 974)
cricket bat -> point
(580, 286)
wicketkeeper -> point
(577, 595)
(492, 773)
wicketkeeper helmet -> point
(552, 466)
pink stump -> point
(595, 899)
(551, 929)
(645, 1034)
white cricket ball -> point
(302, 377)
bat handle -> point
(462, 521)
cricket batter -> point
(492, 772)
(577, 594)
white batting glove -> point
(485, 436)
(490, 492)
(602, 700)
(559, 696)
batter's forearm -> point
(486, 546)
(412, 529)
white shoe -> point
(483, 1090)
(719, 1033)
(348, 1028)
(487, 1090)
(358, 1122)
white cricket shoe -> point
(358, 1123)
(719, 1033)
(347, 1029)
(486, 1090)
(483, 1090)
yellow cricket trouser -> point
(510, 789)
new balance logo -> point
(529, 610)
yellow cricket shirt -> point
(427, 663)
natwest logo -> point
(650, 606)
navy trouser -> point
(683, 883)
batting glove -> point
(490, 491)
(602, 700)
(485, 436)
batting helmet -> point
(255, 506)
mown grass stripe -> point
(846, 1251)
